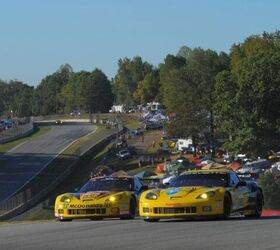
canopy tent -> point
(214, 165)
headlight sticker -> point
(173, 191)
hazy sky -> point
(37, 36)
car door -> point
(240, 193)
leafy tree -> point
(271, 189)
(70, 95)
(184, 52)
(148, 88)
(126, 81)
(167, 85)
(188, 91)
(248, 97)
(89, 91)
(15, 97)
(47, 94)
(94, 91)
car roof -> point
(111, 177)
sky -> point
(37, 36)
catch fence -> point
(16, 131)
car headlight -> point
(151, 196)
(65, 199)
(113, 198)
(206, 195)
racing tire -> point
(151, 220)
(64, 220)
(257, 212)
(132, 211)
(226, 207)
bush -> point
(271, 190)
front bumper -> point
(74, 211)
(156, 210)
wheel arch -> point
(260, 189)
(229, 195)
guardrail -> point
(16, 132)
(50, 178)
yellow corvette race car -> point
(101, 197)
(202, 193)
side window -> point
(137, 184)
(233, 179)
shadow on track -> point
(239, 218)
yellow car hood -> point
(90, 196)
(182, 192)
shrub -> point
(271, 190)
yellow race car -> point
(202, 193)
(101, 197)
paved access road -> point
(233, 234)
(26, 160)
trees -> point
(15, 98)
(95, 92)
(46, 97)
(148, 89)
(248, 96)
(129, 74)
(89, 91)
(271, 188)
(167, 85)
(187, 86)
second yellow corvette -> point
(101, 197)
(202, 193)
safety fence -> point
(50, 177)
(16, 131)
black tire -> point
(226, 207)
(258, 206)
(64, 220)
(151, 220)
(132, 211)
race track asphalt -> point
(26, 160)
(234, 234)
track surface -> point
(26, 160)
(235, 233)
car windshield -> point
(200, 179)
(107, 185)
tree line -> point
(206, 94)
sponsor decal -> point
(71, 206)
(173, 191)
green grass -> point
(131, 121)
(38, 131)
(86, 141)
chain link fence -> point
(16, 131)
